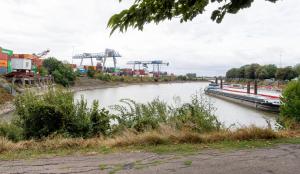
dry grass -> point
(163, 135)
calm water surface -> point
(227, 112)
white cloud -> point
(258, 34)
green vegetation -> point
(55, 112)
(4, 96)
(146, 11)
(56, 124)
(256, 71)
(63, 74)
(188, 163)
(290, 108)
(195, 116)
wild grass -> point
(165, 135)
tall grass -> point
(195, 116)
(162, 135)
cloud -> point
(258, 34)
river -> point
(227, 112)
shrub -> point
(290, 107)
(10, 131)
(195, 116)
(63, 74)
(100, 120)
(57, 112)
(91, 72)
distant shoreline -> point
(105, 85)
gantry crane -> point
(108, 53)
(156, 64)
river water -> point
(227, 112)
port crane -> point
(156, 65)
(108, 53)
(41, 54)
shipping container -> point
(3, 63)
(21, 64)
(3, 70)
(3, 56)
(6, 51)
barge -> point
(263, 102)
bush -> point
(63, 74)
(100, 120)
(290, 107)
(10, 131)
(56, 112)
(91, 72)
(195, 116)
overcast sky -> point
(257, 34)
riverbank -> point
(85, 83)
(159, 141)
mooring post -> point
(255, 87)
(248, 87)
(221, 83)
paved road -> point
(281, 159)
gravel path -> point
(280, 159)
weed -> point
(188, 163)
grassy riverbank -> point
(55, 124)
(164, 140)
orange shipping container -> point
(3, 63)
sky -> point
(266, 33)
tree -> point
(297, 68)
(290, 108)
(146, 11)
(286, 73)
(266, 71)
(63, 74)
(250, 71)
(232, 73)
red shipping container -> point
(3, 56)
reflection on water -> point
(227, 112)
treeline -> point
(256, 71)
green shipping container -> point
(8, 52)
(34, 69)
(9, 68)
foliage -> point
(63, 74)
(297, 68)
(195, 116)
(266, 71)
(290, 108)
(100, 120)
(57, 112)
(10, 131)
(182, 78)
(43, 71)
(286, 73)
(256, 71)
(4, 96)
(91, 72)
(146, 11)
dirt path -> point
(280, 159)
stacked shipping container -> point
(4, 61)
